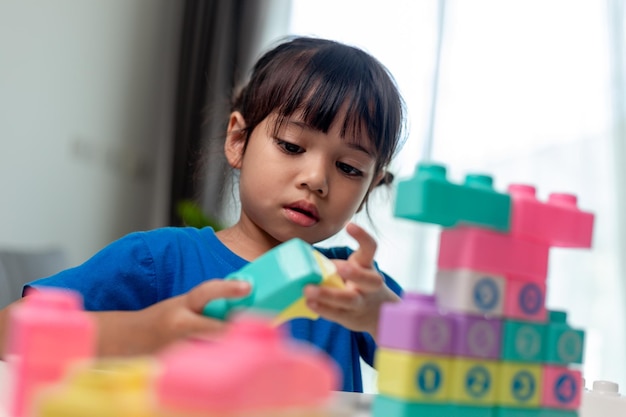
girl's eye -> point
(349, 170)
(289, 147)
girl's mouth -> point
(302, 213)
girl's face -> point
(300, 183)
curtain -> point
(211, 38)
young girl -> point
(311, 135)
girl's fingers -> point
(200, 295)
(364, 255)
(366, 279)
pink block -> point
(46, 333)
(493, 252)
(561, 388)
(525, 300)
(557, 222)
(253, 368)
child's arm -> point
(357, 306)
(122, 333)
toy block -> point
(253, 368)
(413, 377)
(487, 251)
(429, 197)
(519, 385)
(386, 406)
(533, 412)
(562, 388)
(557, 222)
(46, 332)
(416, 325)
(473, 382)
(525, 299)
(477, 337)
(517, 412)
(523, 341)
(120, 388)
(292, 266)
(467, 291)
(565, 345)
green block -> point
(278, 278)
(564, 344)
(469, 411)
(523, 341)
(384, 406)
(429, 197)
(517, 412)
(549, 412)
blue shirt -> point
(143, 268)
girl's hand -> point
(151, 329)
(357, 306)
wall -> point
(86, 93)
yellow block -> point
(474, 382)
(119, 388)
(299, 309)
(415, 377)
(519, 384)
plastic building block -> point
(492, 252)
(558, 222)
(562, 388)
(523, 341)
(46, 332)
(386, 406)
(468, 291)
(525, 300)
(429, 197)
(415, 377)
(519, 386)
(473, 382)
(278, 278)
(120, 388)
(477, 337)
(603, 399)
(564, 344)
(416, 325)
(253, 368)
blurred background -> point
(113, 112)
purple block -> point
(477, 336)
(415, 324)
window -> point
(525, 95)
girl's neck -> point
(247, 244)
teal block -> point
(277, 278)
(429, 197)
(533, 412)
(517, 412)
(523, 341)
(469, 411)
(564, 344)
(384, 406)
(549, 412)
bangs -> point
(321, 81)
(326, 86)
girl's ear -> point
(235, 140)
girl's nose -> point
(314, 177)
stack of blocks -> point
(484, 344)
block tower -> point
(484, 344)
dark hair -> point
(318, 77)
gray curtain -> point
(216, 34)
